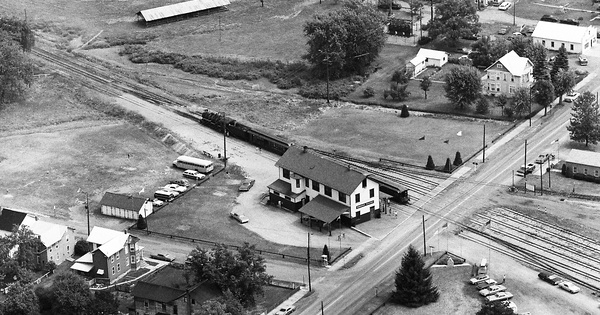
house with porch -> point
(112, 255)
(575, 39)
(323, 190)
(508, 74)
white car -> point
(493, 289)
(500, 296)
(569, 286)
(157, 203)
(287, 310)
(485, 284)
(505, 6)
(479, 279)
(193, 174)
(175, 187)
(239, 217)
(571, 96)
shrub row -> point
(284, 75)
(318, 90)
(588, 178)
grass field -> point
(382, 133)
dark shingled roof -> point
(156, 292)
(323, 209)
(126, 202)
(324, 171)
(10, 218)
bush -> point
(404, 113)
(424, 40)
(369, 92)
(430, 165)
(563, 170)
(509, 112)
(482, 106)
(141, 223)
(81, 247)
(454, 60)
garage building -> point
(125, 206)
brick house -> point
(323, 189)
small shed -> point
(180, 11)
(125, 206)
(582, 164)
(426, 58)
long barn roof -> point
(180, 9)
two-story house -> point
(112, 255)
(168, 292)
(57, 241)
(508, 74)
(323, 189)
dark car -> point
(550, 278)
(472, 37)
(246, 184)
(569, 21)
(163, 257)
(548, 18)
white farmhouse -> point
(576, 39)
(507, 74)
(426, 58)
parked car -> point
(543, 158)
(175, 187)
(485, 284)
(502, 31)
(472, 37)
(500, 296)
(569, 286)
(505, 6)
(550, 278)
(571, 97)
(193, 174)
(286, 310)
(158, 203)
(548, 18)
(582, 60)
(246, 184)
(180, 182)
(527, 169)
(239, 217)
(478, 279)
(163, 257)
(569, 21)
(493, 289)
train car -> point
(398, 192)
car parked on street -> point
(500, 296)
(582, 60)
(175, 187)
(505, 6)
(569, 286)
(527, 169)
(550, 278)
(193, 174)
(239, 217)
(180, 182)
(479, 279)
(485, 284)
(246, 184)
(543, 158)
(493, 289)
(158, 203)
(286, 310)
(549, 18)
(571, 97)
(163, 257)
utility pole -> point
(327, 66)
(224, 141)
(308, 262)
(322, 308)
(514, 13)
(525, 164)
(549, 171)
(87, 208)
(432, 10)
(424, 241)
(483, 144)
(541, 180)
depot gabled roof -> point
(181, 8)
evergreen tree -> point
(539, 57)
(425, 85)
(326, 253)
(430, 165)
(585, 120)
(521, 101)
(457, 159)
(413, 282)
(543, 92)
(404, 112)
(141, 223)
(560, 62)
(495, 308)
(448, 166)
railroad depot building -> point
(323, 190)
(576, 39)
(581, 164)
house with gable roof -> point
(508, 74)
(324, 190)
(426, 58)
(576, 39)
(57, 241)
(125, 206)
(168, 292)
(581, 164)
(112, 255)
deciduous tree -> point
(104, 302)
(495, 308)
(70, 294)
(521, 102)
(463, 86)
(425, 85)
(414, 286)
(543, 92)
(348, 39)
(20, 300)
(16, 70)
(585, 120)
(501, 101)
(454, 18)
(564, 81)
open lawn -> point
(376, 133)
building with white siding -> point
(125, 206)
(576, 39)
(508, 74)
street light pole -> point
(308, 262)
